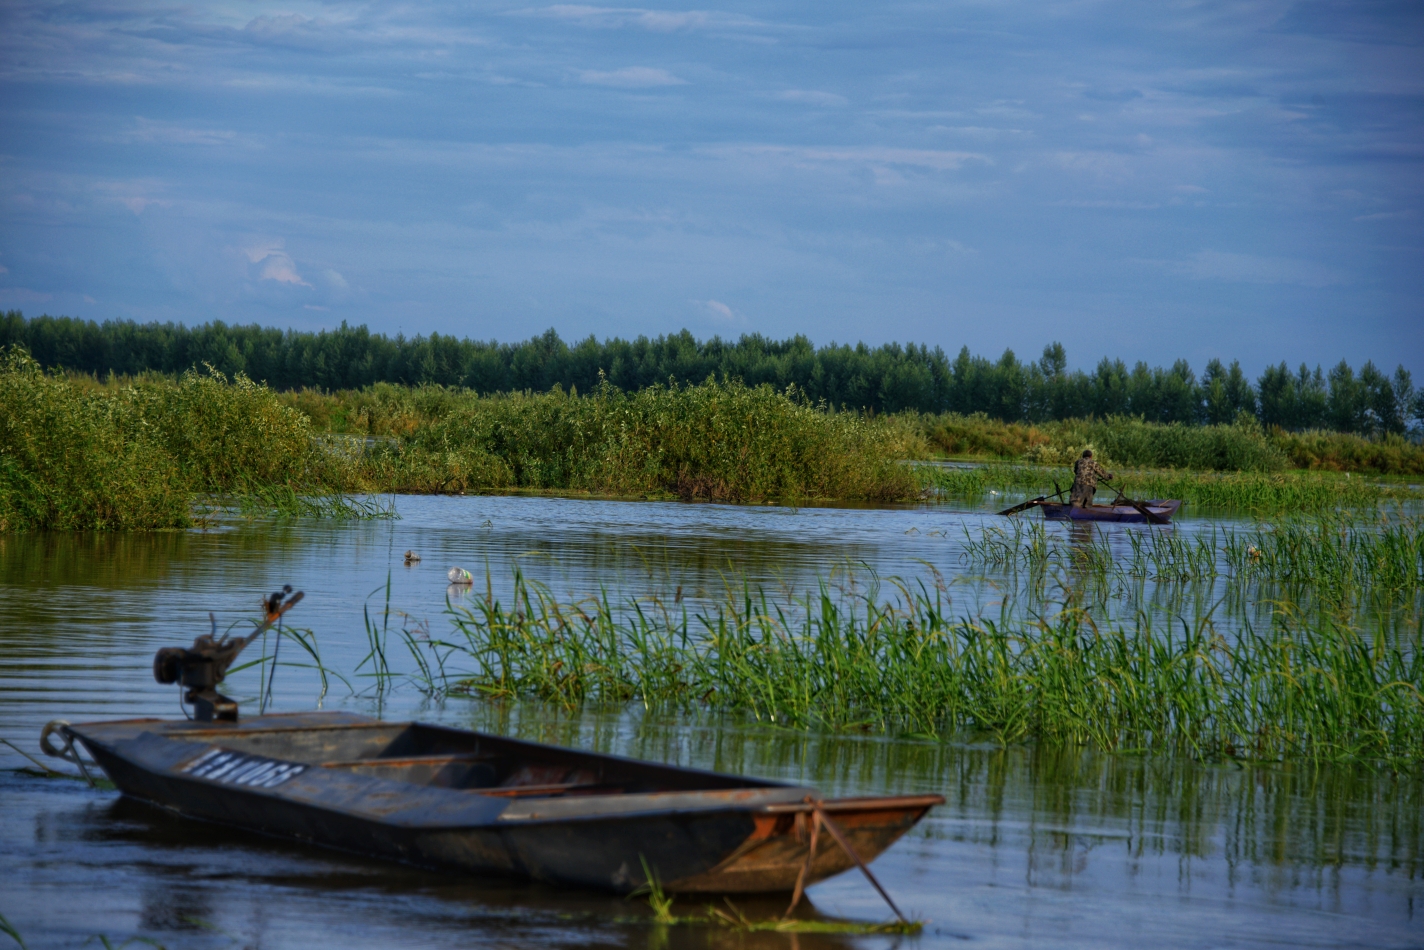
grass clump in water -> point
(900, 663)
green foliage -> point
(1240, 446)
(715, 441)
(885, 379)
(900, 663)
(74, 455)
(1259, 492)
(1341, 557)
(72, 458)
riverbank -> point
(147, 453)
(154, 452)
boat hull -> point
(326, 779)
(1124, 514)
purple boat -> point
(1147, 512)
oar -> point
(1026, 505)
(1032, 501)
(1151, 516)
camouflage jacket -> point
(1086, 473)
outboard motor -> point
(202, 666)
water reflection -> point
(1062, 847)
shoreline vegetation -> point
(887, 379)
(157, 452)
(890, 658)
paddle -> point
(1151, 516)
(1032, 501)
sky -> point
(1145, 181)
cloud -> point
(169, 133)
(655, 21)
(720, 313)
(631, 77)
(1386, 215)
(274, 263)
(1254, 269)
(812, 97)
(136, 203)
(934, 159)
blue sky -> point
(1140, 180)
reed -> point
(890, 658)
(1338, 556)
(1263, 493)
(1128, 441)
(713, 442)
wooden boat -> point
(1161, 512)
(442, 797)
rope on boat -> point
(68, 753)
(819, 818)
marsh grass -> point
(1341, 556)
(1338, 554)
(717, 441)
(154, 452)
(1128, 441)
(1258, 492)
(891, 659)
(283, 501)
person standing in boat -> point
(1086, 472)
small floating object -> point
(412, 558)
(458, 575)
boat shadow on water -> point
(203, 879)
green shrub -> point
(77, 455)
(71, 458)
(715, 442)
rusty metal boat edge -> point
(477, 803)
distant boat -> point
(1160, 511)
(441, 797)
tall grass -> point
(1243, 446)
(1337, 555)
(70, 458)
(144, 455)
(714, 442)
(1340, 556)
(1261, 492)
(892, 659)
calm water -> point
(1032, 849)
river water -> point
(1034, 847)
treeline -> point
(884, 379)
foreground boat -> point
(1153, 512)
(442, 797)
